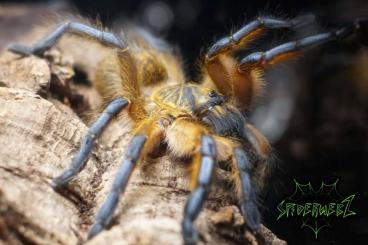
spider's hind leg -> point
(80, 160)
(105, 38)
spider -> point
(204, 121)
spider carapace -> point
(187, 100)
(184, 98)
(204, 121)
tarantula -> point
(204, 121)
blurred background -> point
(314, 110)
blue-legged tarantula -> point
(205, 121)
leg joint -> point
(206, 171)
(136, 146)
(208, 147)
(116, 105)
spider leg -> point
(106, 212)
(80, 160)
(148, 136)
(248, 190)
(248, 170)
(251, 31)
(291, 49)
(263, 149)
(106, 38)
(257, 140)
(221, 68)
(196, 200)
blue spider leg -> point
(260, 23)
(80, 160)
(299, 45)
(196, 200)
(106, 38)
(106, 212)
(248, 199)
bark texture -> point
(42, 121)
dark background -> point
(324, 136)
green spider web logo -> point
(316, 208)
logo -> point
(316, 208)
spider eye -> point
(212, 93)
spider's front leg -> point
(263, 151)
(80, 160)
(116, 80)
(195, 142)
(248, 189)
(106, 212)
(194, 205)
(250, 174)
(242, 81)
(289, 50)
(251, 31)
(249, 168)
(148, 136)
(222, 69)
(105, 38)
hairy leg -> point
(247, 174)
(243, 81)
(80, 160)
(106, 212)
(147, 137)
(263, 151)
(251, 31)
(105, 38)
(196, 200)
(291, 49)
(247, 189)
(221, 68)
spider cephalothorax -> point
(203, 121)
(206, 106)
